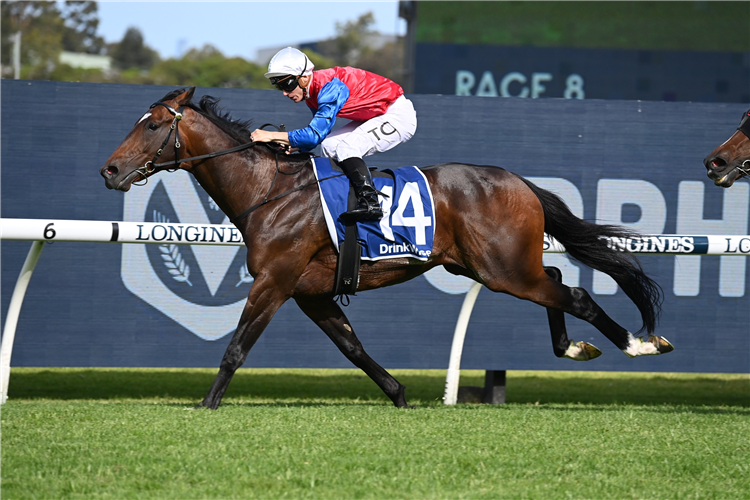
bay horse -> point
(731, 160)
(490, 228)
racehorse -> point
(731, 160)
(490, 228)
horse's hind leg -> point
(561, 345)
(546, 291)
(331, 319)
(585, 308)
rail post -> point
(14, 310)
(457, 347)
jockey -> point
(381, 118)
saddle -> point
(406, 229)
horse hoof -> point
(582, 351)
(662, 345)
(203, 406)
(654, 345)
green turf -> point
(107, 433)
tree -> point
(387, 60)
(204, 67)
(82, 21)
(357, 44)
(131, 52)
(41, 29)
(46, 31)
(351, 42)
(353, 39)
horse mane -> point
(209, 107)
(237, 129)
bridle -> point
(149, 168)
(744, 127)
(744, 168)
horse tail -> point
(583, 241)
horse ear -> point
(185, 97)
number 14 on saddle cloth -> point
(407, 228)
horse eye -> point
(153, 126)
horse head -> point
(731, 160)
(155, 136)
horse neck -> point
(233, 180)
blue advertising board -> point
(107, 304)
(570, 73)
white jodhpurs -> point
(376, 135)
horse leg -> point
(262, 303)
(331, 319)
(561, 345)
(584, 307)
(541, 288)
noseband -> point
(745, 129)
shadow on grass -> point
(638, 389)
(301, 387)
(69, 384)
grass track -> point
(127, 433)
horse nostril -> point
(718, 162)
(110, 171)
(714, 162)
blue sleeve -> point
(331, 99)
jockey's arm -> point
(331, 99)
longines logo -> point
(201, 287)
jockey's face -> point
(298, 94)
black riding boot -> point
(368, 206)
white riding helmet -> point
(289, 61)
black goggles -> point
(288, 83)
(285, 83)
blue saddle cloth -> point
(407, 228)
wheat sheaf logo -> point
(172, 256)
(177, 265)
(203, 288)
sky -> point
(238, 28)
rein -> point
(150, 167)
